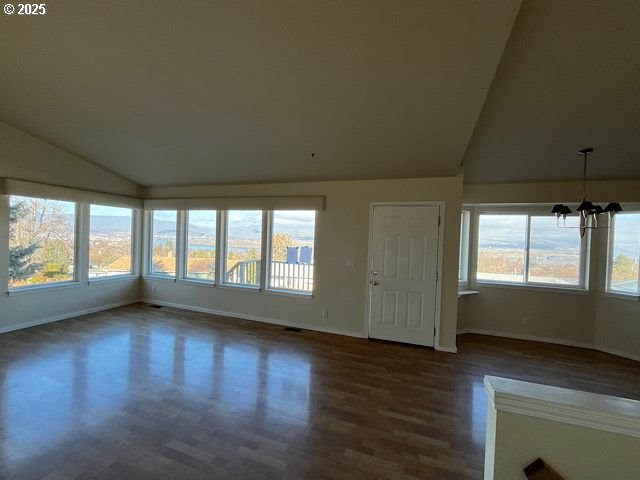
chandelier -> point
(588, 212)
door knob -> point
(374, 272)
(373, 282)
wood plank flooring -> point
(145, 393)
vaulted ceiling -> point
(175, 93)
(569, 78)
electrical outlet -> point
(325, 313)
(349, 262)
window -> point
(42, 241)
(530, 249)
(554, 253)
(201, 245)
(463, 266)
(243, 244)
(110, 241)
(501, 248)
(624, 254)
(163, 242)
(292, 249)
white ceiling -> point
(569, 78)
(170, 93)
(176, 93)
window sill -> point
(466, 293)
(162, 278)
(623, 296)
(112, 279)
(199, 283)
(290, 293)
(43, 288)
(248, 288)
(535, 288)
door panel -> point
(404, 262)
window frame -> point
(269, 255)
(77, 253)
(221, 273)
(184, 268)
(609, 291)
(464, 252)
(135, 250)
(584, 264)
(148, 267)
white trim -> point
(542, 287)
(467, 292)
(618, 353)
(157, 276)
(195, 281)
(240, 286)
(290, 293)
(623, 296)
(439, 262)
(523, 336)
(181, 244)
(573, 407)
(463, 261)
(255, 318)
(63, 316)
(44, 287)
(554, 341)
(293, 202)
(28, 188)
(112, 278)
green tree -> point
(20, 256)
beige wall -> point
(594, 320)
(342, 232)
(25, 157)
(575, 452)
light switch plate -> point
(349, 263)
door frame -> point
(440, 252)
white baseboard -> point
(532, 338)
(64, 316)
(256, 318)
(446, 349)
(619, 353)
(556, 341)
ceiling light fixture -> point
(589, 213)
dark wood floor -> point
(139, 392)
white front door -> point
(403, 273)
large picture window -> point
(530, 249)
(201, 245)
(624, 254)
(501, 248)
(164, 228)
(243, 247)
(42, 241)
(110, 241)
(554, 253)
(292, 250)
